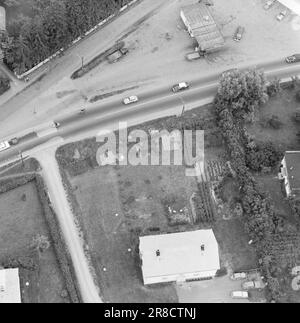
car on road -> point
(14, 141)
(282, 15)
(55, 124)
(238, 276)
(269, 4)
(4, 145)
(238, 33)
(239, 294)
(253, 284)
(130, 99)
(180, 87)
(293, 58)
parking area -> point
(217, 290)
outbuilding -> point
(290, 173)
(179, 257)
(10, 286)
(202, 27)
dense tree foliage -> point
(239, 94)
(52, 25)
(4, 84)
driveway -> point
(209, 291)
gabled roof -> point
(204, 27)
(292, 159)
(10, 286)
(179, 253)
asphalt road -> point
(154, 101)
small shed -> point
(10, 286)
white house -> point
(10, 286)
(290, 173)
(179, 257)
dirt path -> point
(89, 290)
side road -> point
(88, 289)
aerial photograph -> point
(150, 154)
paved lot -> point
(209, 291)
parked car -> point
(253, 284)
(238, 33)
(281, 15)
(269, 4)
(4, 145)
(293, 59)
(239, 294)
(131, 99)
(180, 87)
(192, 56)
(238, 276)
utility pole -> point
(183, 106)
(21, 156)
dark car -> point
(238, 33)
(293, 59)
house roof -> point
(293, 5)
(179, 253)
(203, 25)
(10, 286)
(2, 18)
(292, 159)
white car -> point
(130, 99)
(180, 86)
(281, 15)
(4, 145)
(239, 294)
(238, 276)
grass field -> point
(21, 226)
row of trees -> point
(239, 95)
(52, 25)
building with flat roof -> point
(2, 18)
(179, 257)
(290, 172)
(202, 26)
(10, 286)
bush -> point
(4, 84)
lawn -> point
(22, 224)
(117, 205)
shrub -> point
(4, 84)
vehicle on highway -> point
(55, 124)
(14, 141)
(180, 87)
(269, 4)
(282, 15)
(238, 276)
(293, 58)
(238, 33)
(131, 99)
(4, 145)
(239, 294)
(253, 284)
